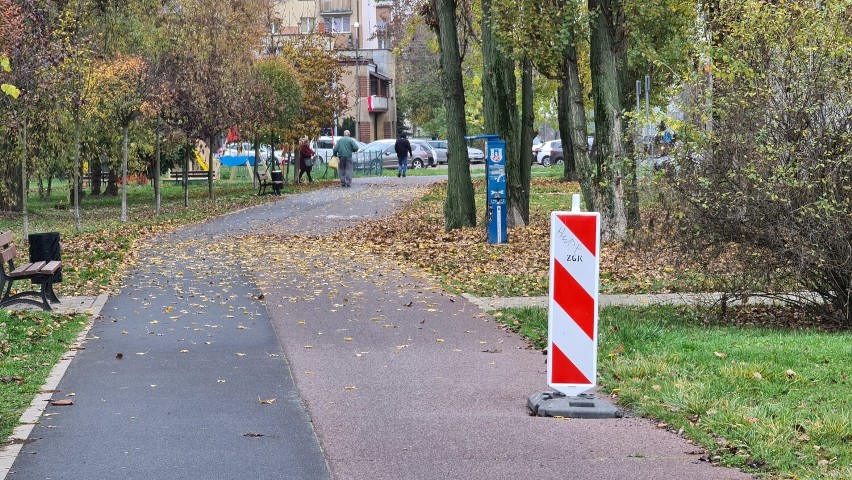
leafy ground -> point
(465, 261)
(768, 400)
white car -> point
(544, 151)
(323, 147)
(475, 155)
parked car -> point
(535, 148)
(557, 157)
(440, 148)
(244, 149)
(544, 157)
(431, 153)
(474, 155)
(384, 148)
(323, 147)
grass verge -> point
(771, 401)
(30, 345)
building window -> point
(275, 27)
(307, 24)
(337, 24)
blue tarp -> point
(236, 160)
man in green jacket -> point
(344, 149)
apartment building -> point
(358, 30)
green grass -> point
(30, 345)
(770, 401)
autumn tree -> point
(460, 206)
(769, 187)
(317, 70)
(27, 44)
(75, 42)
(216, 46)
(119, 88)
(275, 101)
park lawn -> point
(30, 345)
(767, 400)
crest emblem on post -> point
(496, 155)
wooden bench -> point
(103, 178)
(190, 175)
(266, 180)
(38, 272)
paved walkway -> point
(229, 355)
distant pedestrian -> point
(306, 159)
(403, 151)
(343, 149)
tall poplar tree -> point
(609, 72)
(460, 206)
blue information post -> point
(495, 174)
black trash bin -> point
(277, 181)
(44, 247)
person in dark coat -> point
(306, 159)
(403, 151)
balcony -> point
(376, 103)
(335, 6)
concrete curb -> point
(608, 300)
(90, 306)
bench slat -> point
(27, 270)
(50, 267)
(8, 253)
(5, 239)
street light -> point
(357, 87)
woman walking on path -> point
(344, 149)
(306, 159)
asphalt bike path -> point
(237, 350)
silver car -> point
(474, 155)
(421, 157)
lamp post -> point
(357, 86)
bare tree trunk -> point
(25, 185)
(96, 170)
(157, 162)
(75, 175)
(572, 120)
(254, 182)
(500, 110)
(210, 193)
(607, 94)
(186, 172)
(112, 178)
(124, 175)
(460, 206)
(518, 178)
